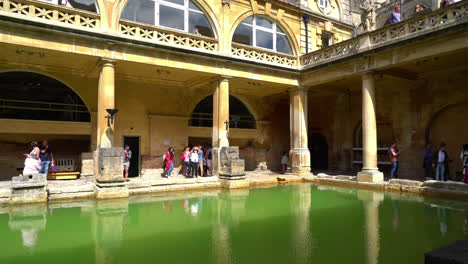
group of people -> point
(39, 159)
(197, 161)
(395, 16)
(438, 160)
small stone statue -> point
(368, 18)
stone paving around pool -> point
(84, 188)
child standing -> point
(284, 162)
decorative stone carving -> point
(226, 2)
(368, 18)
(29, 189)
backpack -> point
(209, 154)
(164, 161)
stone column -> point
(106, 100)
(370, 171)
(221, 113)
(299, 154)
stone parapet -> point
(29, 189)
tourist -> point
(126, 160)
(427, 160)
(284, 162)
(169, 161)
(46, 157)
(395, 17)
(209, 157)
(194, 155)
(419, 11)
(464, 159)
(32, 163)
(445, 3)
(186, 159)
(393, 153)
(196, 32)
(201, 158)
(440, 163)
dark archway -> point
(33, 96)
(318, 148)
(239, 114)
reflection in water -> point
(29, 219)
(442, 217)
(302, 235)
(395, 216)
(371, 203)
(109, 221)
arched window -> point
(259, 32)
(324, 5)
(87, 5)
(239, 114)
(27, 95)
(182, 15)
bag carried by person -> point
(164, 161)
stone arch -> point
(201, 114)
(287, 30)
(203, 4)
(449, 125)
(61, 86)
(385, 133)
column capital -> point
(297, 89)
(107, 62)
(224, 78)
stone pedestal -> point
(87, 164)
(29, 189)
(230, 166)
(370, 176)
(108, 171)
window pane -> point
(243, 35)
(263, 23)
(248, 20)
(171, 17)
(179, 2)
(194, 6)
(264, 39)
(88, 5)
(140, 11)
(282, 44)
(199, 21)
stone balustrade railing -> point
(262, 55)
(167, 36)
(438, 19)
(51, 12)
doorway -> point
(318, 148)
(134, 143)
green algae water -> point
(287, 224)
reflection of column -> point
(302, 239)
(29, 219)
(369, 172)
(221, 247)
(299, 154)
(221, 113)
(106, 100)
(371, 204)
(109, 221)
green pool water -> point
(287, 224)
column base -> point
(111, 192)
(370, 175)
(234, 184)
(300, 161)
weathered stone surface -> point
(449, 185)
(229, 163)
(455, 253)
(109, 167)
(367, 176)
(113, 192)
(405, 182)
(87, 164)
(29, 189)
(234, 184)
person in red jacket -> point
(169, 161)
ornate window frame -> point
(274, 30)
